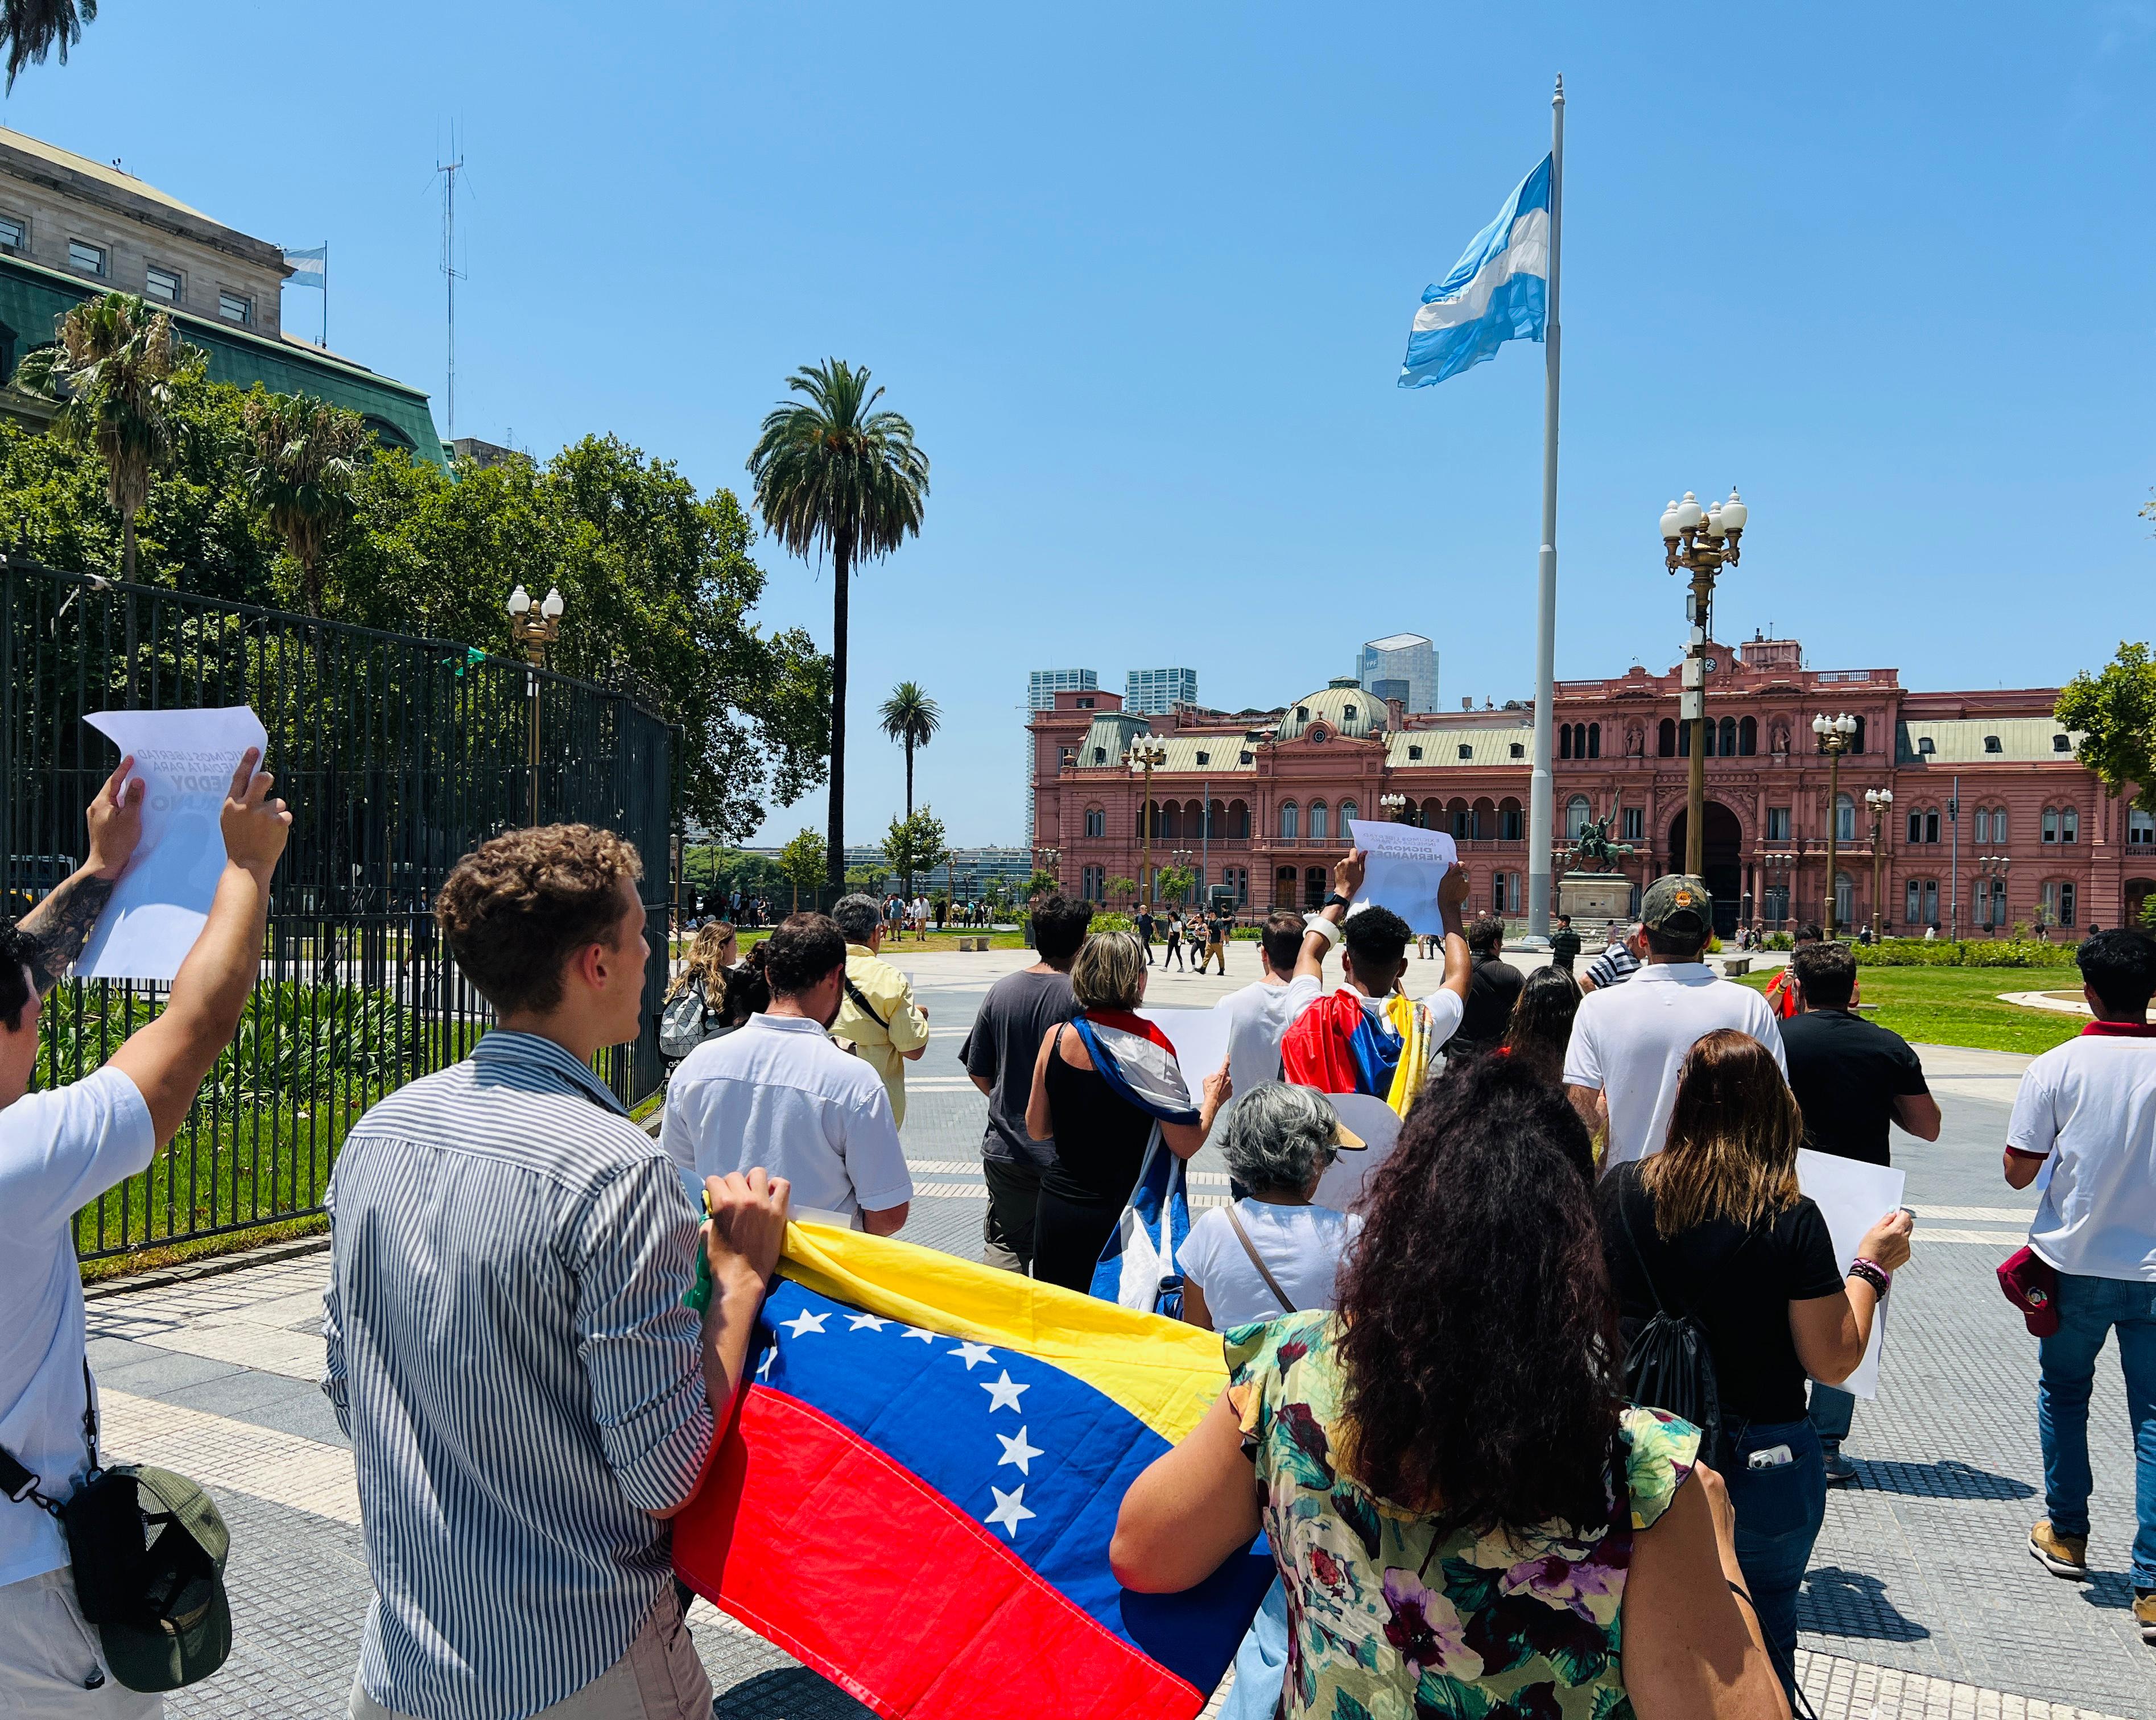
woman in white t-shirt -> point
(1272, 1252)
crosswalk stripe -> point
(282, 1468)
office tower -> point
(1041, 687)
(1155, 691)
(1406, 658)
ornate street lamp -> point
(1401, 809)
(1881, 802)
(1996, 866)
(1699, 540)
(535, 625)
(1836, 733)
(1146, 756)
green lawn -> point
(1960, 1006)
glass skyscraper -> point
(1403, 661)
(1155, 691)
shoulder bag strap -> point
(1257, 1260)
(23, 1486)
(862, 1003)
(1624, 1219)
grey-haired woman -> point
(1272, 1252)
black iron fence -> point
(397, 755)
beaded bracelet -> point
(1871, 1272)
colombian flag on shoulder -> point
(917, 1494)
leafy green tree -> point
(32, 28)
(1124, 888)
(802, 862)
(870, 879)
(305, 455)
(835, 474)
(111, 371)
(915, 843)
(910, 718)
(1176, 883)
(2115, 710)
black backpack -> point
(1668, 1365)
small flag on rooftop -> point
(310, 267)
(1497, 292)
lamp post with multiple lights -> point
(1835, 734)
(1146, 757)
(536, 623)
(1400, 808)
(1881, 802)
(1699, 540)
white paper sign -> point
(185, 760)
(1378, 1125)
(1405, 865)
(1852, 1197)
(1200, 1039)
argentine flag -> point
(1498, 292)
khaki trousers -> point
(50, 1662)
(658, 1678)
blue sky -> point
(1141, 278)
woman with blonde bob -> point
(1100, 1137)
(1714, 1228)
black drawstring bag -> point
(1668, 1365)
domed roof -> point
(1344, 709)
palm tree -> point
(834, 474)
(32, 28)
(112, 370)
(910, 718)
(300, 473)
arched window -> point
(1238, 818)
(1508, 821)
(1998, 825)
(1844, 900)
(2050, 824)
(1845, 823)
(1666, 738)
(1097, 821)
(1594, 740)
(1483, 821)
(2070, 830)
(1291, 822)
(1564, 740)
(1458, 817)
(1318, 832)
(1857, 745)
(1748, 736)
(1153, 816)
(1346, 812)
(1684, 740)
(1577, 814)
(1728, 737)
(1432, 815)
(1216, 819)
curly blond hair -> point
(515, 908)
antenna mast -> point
(450, 273)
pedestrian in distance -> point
(1493, 987)
(2088, 1110)
(999, 1052)
(1629, 1041)
(1781, 995)
(1853, 1081)
(1619, 960)
(1460, 1415)
(1145, 924)
(780, 1096)
(61, 1148)
(1564, 944)
(877, 1014)
(1714, 1229)
(1174, 955)
(1540, 1031)
(507, 1345)
(1100, 1137)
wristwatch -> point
(1336, 900)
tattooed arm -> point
(61, 923)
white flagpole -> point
(1540, 799)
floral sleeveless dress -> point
(1388, 1620)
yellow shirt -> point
(906, 1029)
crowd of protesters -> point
(1432, 1356)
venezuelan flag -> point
(917, 1494)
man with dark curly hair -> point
(528, 1396)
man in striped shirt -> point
(528, 1399)
(1618, 963)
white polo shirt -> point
(59, 1150)
(1258, 1015)
(1629, 1042)
(778, 1093)
(2089, 1106)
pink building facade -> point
(1259, 801)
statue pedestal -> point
(1597, 896)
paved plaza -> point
(1922, 1600)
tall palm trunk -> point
(127, 547)
(909, 779)
(834, 825)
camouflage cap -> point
(1678, 903)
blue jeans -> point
(1261, 1661)
(1778, 1513)
(2088, 1309)
(1832, 1410)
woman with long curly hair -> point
(714, 950)
(1713, 1228)
(1465, 1515)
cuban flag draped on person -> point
(1498, 292)
(1137, 1268)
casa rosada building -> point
(2036, 840)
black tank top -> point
(1099, 1139)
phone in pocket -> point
(1770, 1457)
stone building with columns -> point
(1994, 820)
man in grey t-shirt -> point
(999, 1053)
